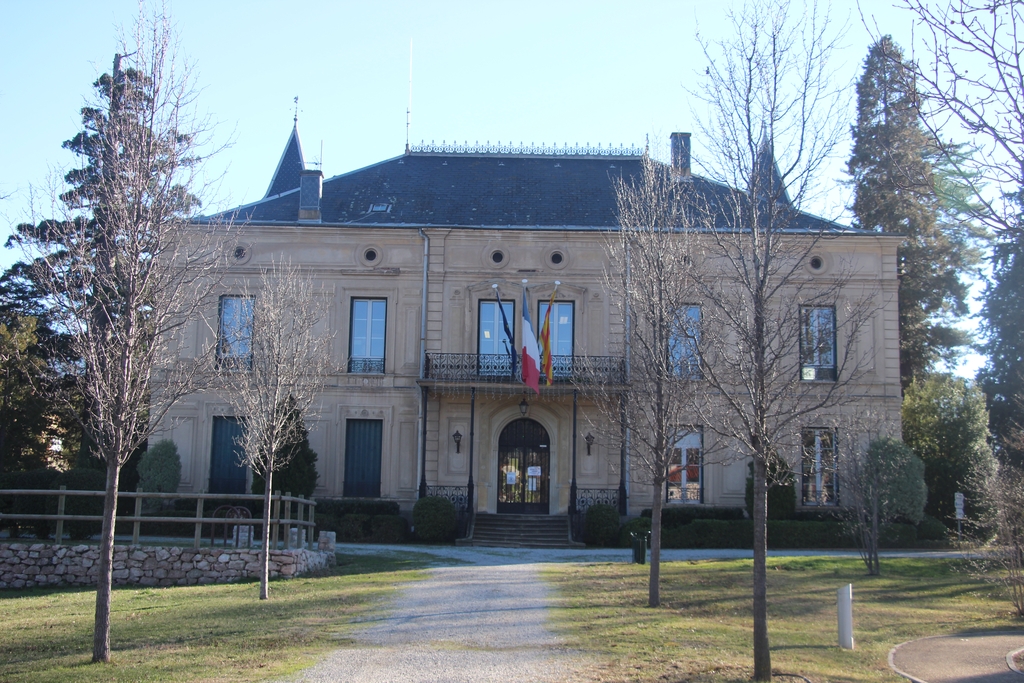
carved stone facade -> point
(463, 223)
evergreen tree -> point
(1003, 323)
(946, 425)
(895, 192)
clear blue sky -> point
(576, 72)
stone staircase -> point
(520, 531)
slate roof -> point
(468, 190)
(286, 176)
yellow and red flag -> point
(545, 341)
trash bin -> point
(640, 541)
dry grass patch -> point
(702, 632)
(196, 633)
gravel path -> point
(476, 623)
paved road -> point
(472, 623)
(973, 657)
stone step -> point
(520, 531)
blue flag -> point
(513, 356)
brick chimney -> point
(310, 191)
(681, 155)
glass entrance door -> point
(524, 458)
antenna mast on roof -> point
(408, 109)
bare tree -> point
(1006, 490)
(122, 270)
(274, 356)
(652, 276)
(778, 343)
(972, 78)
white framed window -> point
(686, 473)
(560, 331)
(494, 344)
(819, 481)
(234, 331)
(367, 335)
(683, 343)
(817, 343)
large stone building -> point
(415, 252)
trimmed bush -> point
(639, 525)
(898, 536)
(791, 534)
(931, 529)
(80, 479)
(781, 496)
(160, 468)
(601, 526)
(353, 528)
(388, 529)
(681, 515)
(434, 519)
(339, 507)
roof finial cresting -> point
(295, 120)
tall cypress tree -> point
(895, 192)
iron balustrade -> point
(366, 366)
(473, 367)
(585, 498)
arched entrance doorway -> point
(524, 458)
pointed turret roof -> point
(286, 177)
(766, 171)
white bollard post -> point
(844, 604)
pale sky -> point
(591, 71)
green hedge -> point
(601, 525)
(79, 479)
(28, 505)
(434, 519)
(782, 534)
(360, 528)
(640, 525)
(677, 516)
(339, 507)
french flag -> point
(531, 352)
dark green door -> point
(362, 458)
(227, 475)
(524, 457)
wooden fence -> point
(281, 510)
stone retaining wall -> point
(40, 564)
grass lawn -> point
(702, 631)
(195, 633)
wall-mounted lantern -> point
(457, 437)
(589, 438)
(523, 407)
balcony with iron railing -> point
(477, 368)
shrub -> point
(639, 525)
(898, 536)
(353, 528)
(339, 507)
(31, 505)
(601, 526)
(160, 468)
(80, 479)
(681, 515)
(434, 519)
(388, 529)
(298, 476)
(781, 495)
(931, 529)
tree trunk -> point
(873, 568)
(762, 655)
(101, 625)
(265, 550)
(654, 588)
